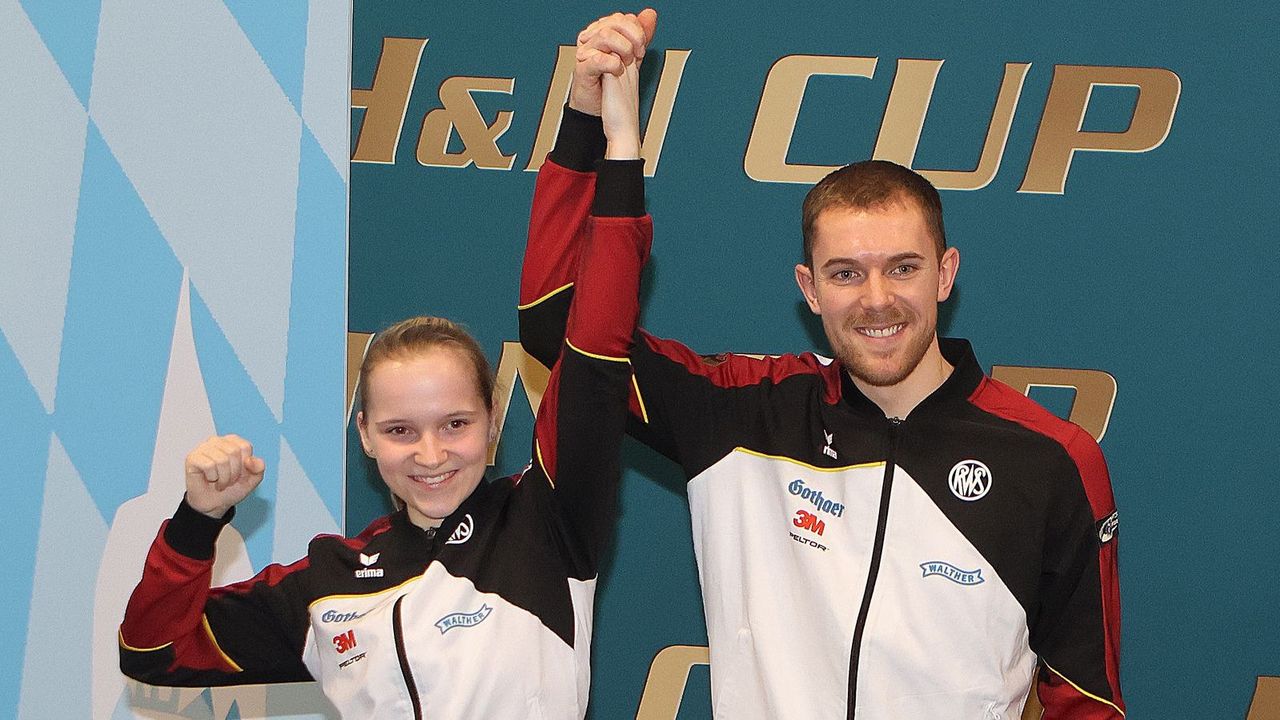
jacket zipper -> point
(877, 549)
(398, 631)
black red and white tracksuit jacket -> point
(490, 617)
(853, 565)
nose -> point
(430, 451)
(877, 293)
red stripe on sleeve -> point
(1061, 699)
(551, 255)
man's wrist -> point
(580, 142)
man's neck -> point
(898, 400)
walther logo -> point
(952, 573)
(449, 622)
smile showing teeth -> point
(431, 480)
(880, 332)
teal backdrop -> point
(1155, 262)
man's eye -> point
(397, 430)
(904, 269)
(842, 275)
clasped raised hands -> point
(221, 471)
(606, 76)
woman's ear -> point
(363, 427)
(493, 423)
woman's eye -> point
(457, 424)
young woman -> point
(472, 601)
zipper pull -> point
(895, 421)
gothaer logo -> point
(952, 573)
(970, 480)
(449, 622)
(462, 533)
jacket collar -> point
(957, 388)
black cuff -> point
(580, 142)
(619, 189)
(194, 534)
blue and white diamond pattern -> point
(173, 189)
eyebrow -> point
(889, 260)
(449, 416)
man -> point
(891, 534)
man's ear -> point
(948, 268)
(808, 287)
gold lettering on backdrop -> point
(357, 345)
(780, 101)
(460, 113)
(1033, 710)
(1095, 391)
(904, 117)
(553, 108)
(904, 114)
(668, 675)
(515, 364)
(1060, 136)
(387, 101)
(655, 132)
(1266, 699)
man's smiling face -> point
(876, 280)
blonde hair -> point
(417, 335)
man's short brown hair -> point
(871, 185)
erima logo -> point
(462, 533)
(1108, 527)
(449, 622)
(366, 571)
(827, 449)
(970, 480)
(952, 573)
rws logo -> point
(970, 480)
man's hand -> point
(606, 47)
(221, 472)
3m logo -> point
(345, 641)
(808, 521)
(970, 480)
